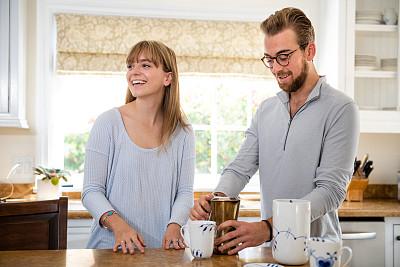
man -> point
(303, 140)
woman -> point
(139, 163)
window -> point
(220, 108)
(88, 78)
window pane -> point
(196, 96)
(203, 152)
(257, 97)
(228, 145)
(74, 151)
(232, 103)
(86, 96)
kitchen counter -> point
(370, 207)
(151, 257)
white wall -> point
(383, 148)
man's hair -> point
(289, 18)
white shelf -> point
(376, 28)
(375, 74)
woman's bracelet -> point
(105, 217)
(270, 230)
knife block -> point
(356, 187)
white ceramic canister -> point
(291, 230)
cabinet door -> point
(12, 63)
(371, 64)
(396, 245)
(78, 233)
(4, 48)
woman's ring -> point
(177, 240)
(122, 241)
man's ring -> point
(122, 241)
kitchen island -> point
(151, 257)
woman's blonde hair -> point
(161, 55)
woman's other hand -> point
(173, 236)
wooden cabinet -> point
(12, 63)
(376, 90)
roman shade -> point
(89, 43)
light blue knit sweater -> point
(148, 189)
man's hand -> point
(201, 208)
(245, 235)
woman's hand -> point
(124, 235)
(173, 236)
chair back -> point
(34, 225)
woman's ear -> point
(168, 79)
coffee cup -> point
(327, 252)
(201, 238)
(224, 209)
(291, 230)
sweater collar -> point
(315, 93)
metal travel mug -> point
(223, 209)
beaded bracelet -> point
(270, 230)
(105, 217)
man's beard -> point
(298, 82)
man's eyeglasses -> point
(281, 59)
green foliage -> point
(74, 155)
(232, 106)
(53, 174)
(197, 105)
(228, 145)
(203, 152)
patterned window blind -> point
(99, 44)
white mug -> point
(201, 236)
(389, 16)
(291, 230)
(327, 252)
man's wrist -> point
(270, 230)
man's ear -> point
(168, 79)
(311, 51)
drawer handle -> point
(352, 236)
(398, 237)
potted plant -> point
(48, 186)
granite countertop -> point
(251, 208)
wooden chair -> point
(34, 225)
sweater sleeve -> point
(239, 172)
(336, 164)
(96, 168)
(184, 197)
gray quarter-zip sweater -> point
(309, 156)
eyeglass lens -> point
(282, 60)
